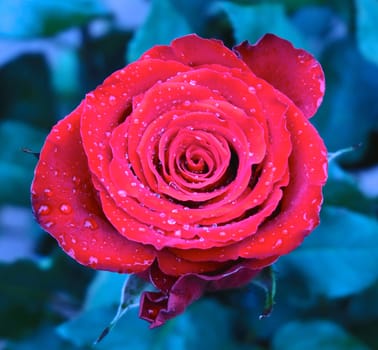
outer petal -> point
(176, 295)
(194, 51)
(66, 205)
(294, 72)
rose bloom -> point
(193, 167)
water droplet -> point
(178, 233)
(49, 224)
(44, 210)
(278, 243)
(92, 260)
(186, 227)
(252, 90)
(47, 192)
(222, 233)
(75, 180)
(171, 221)
(112, 99)
(65, 209)
(122, 193)
(71, 253)
(90, 223)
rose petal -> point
(300, 207)
(159, 307)
(66, 205)
(186, 49)
(294, 72)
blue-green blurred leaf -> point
(319, 25)
(341, 190)
(16, 166)
(364, 307)
(28, 95)
(105, 290)
(130, 294)
(164, 23)
(204, 325)
(33, 18)
(33, 292)
(367, 29)
(315, 335)
(350, 107)
(196, 12)
(340, 257)
(44, 337)
(23, 293)
(252, 22)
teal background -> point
(52, 52)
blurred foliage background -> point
(52, 52)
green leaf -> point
(23, 294)
(104, 290)
(163, 24)
(28, 95)
(320, 25)
(253, 21)
(367, 30)
(204, 325)
(315, 335)
(16, 166)
(340, 257)
(42, 338)
(196, 12)
(350, 105)
(33, 18)
(131, 291)
(33, 292)
(342, 190)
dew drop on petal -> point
(65, 209)
(71, 253)
(171, 221)
(47, 192)
(90, 223)
(112, 99)
(44, 210)
(49, 224)
(92, 260)
(122, 193)
(278, 243)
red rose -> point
(194, 166)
